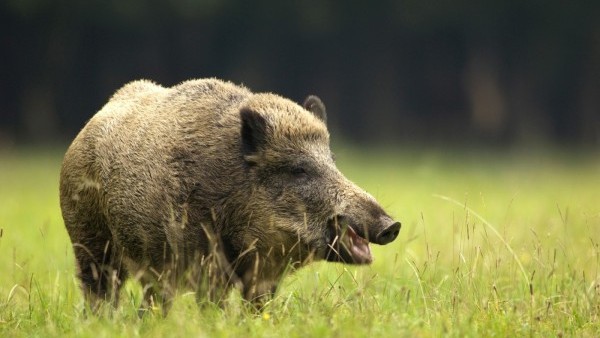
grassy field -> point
(491, 245)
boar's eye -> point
(298, 172)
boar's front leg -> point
(258, 293)
(260, 282)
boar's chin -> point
(345, 245)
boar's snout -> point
(390, 231)
(368, 218)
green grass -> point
(491, 245)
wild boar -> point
(207, 185)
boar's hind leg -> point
(158, 292)
(100, 269)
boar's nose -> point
(388, 234)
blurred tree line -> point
(499, 72)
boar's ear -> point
(254, 133)
(314, 105)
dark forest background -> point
(487, 72)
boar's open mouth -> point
(345, 245)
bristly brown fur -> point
(203, 185)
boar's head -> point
(311, 210)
